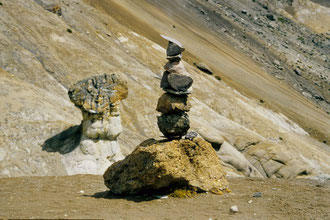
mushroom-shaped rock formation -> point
(98, 98)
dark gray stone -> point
(173, 125)
(179, 82)
(173, 49)
(164, 82)
(176, 83)
(257, 194)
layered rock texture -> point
(252, 119)
(163, 166)
(92, 146)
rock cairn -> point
(98, 99)
(174, 103)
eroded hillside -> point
(43, 53)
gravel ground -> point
(85, 196)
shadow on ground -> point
(64, 142)
(135, 198)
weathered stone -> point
(173, 125)
(164, 166)
(210, 135)
(101, 127)
(169, 103)
(98, 98)
(92, 156)
(176, 67)
(97, 94)
(179, 82)
(164, 84)
(231, 156)
(174, 47)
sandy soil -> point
(85, 196)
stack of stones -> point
(174, 103)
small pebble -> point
(257, 194)
(234, 209)
(250, 201)
(82, 191)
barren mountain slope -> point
(43, 53)
(210, 29)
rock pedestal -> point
(98, 98)
(174, 103)
(161, 167)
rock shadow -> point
(64, 142)
(135, 198)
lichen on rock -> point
(98, 94)
(164, 166)
(98, 98)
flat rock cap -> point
(98, 93)
(174, 47)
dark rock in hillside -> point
(271, 17)
(297, 72)
(203, 67)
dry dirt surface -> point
(86, 197)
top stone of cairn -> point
(174, 48)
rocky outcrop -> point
(162, 166)
(98, 98)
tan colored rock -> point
(163, 166)
(170, 103)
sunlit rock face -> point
(98, 98)
(162, 166)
